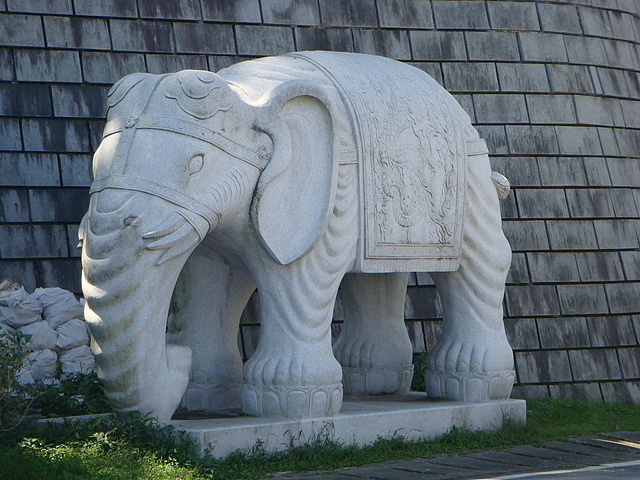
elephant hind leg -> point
(374, 348)
(473, 361)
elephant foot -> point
(292, 401)
(388, 379)
(469, 386)
(474, 367)
(212, 397)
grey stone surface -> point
(599, 266)
(470, 77)
(593, 202)
(532, 139)
(263, 40)
(246, 11)
(21, 30)
(500, 108)
(627, 391)
(631, 263)
(630, 362)
(531, 300)
(109, 67)
(578, 141)
(28, 169)
(10, 134)
(333, 39)
(172, 63)
(594, 110)
(570, 79)
(519, 271)
(58, 205)
(40, 6)
(14, 206)
(542, 203)
(584, 299)
(543, 366)
(387, 43)
(460, 14)
(73, 32)
(79, 101)
(572, 235)
(570, 332)
(623, 297)
(586, 50)
(613, 82)
(521, 171)
(56, 135)
(616, 234)
(75, 170)
(522, 77)
(562, 171)
(218, 62)
(627, 140)
(291, 12)
(348, 13)
(631, 113)
(204, 38)
(33, 241)
(595, 364)
(596, 22)
(112, 8)
(548, 267)
(540, 47)
(559, 18)
(522, 333)
(466, 102)
(554, 109)
(47, 66)
(142, 36)
(497, 46)
(6, 65)
(184, 9)
(611, 331)
(405, 13)
(436, 45)
(527, 235)
(496, 138)
(513, 16)
(596, 171)
(589, 392)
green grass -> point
(137, 448)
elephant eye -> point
(196, 163)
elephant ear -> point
(295, 192)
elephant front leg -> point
(293, 372)
(473, 361)
(374, 348)
(206, 307)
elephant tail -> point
(503, 187)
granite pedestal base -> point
(361, 421)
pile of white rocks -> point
(59, 336)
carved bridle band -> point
(190, 129)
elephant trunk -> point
(127, 285)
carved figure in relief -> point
(292, 175)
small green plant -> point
(419, 369)
(81, 394)
(13, 357)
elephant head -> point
(186, 158)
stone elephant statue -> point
(293, 175)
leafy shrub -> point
(77, 395)
(13, 355)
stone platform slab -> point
(361, 421)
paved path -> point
(611, 457)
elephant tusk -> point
(173, 223)
(174, 238)
(187, 243)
